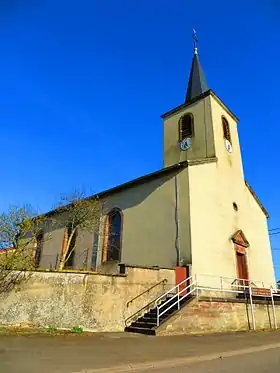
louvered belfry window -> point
(226, 130)
(186, 126)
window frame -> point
(226, 129)
(106, 241)
(190, 133)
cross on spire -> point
(195, 41)
(197, 82)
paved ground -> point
(254, 362)
(111, 353)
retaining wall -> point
(94, 302)
(213, 316)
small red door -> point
(242, 267)
(182, 273)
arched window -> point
(113, 236)
(226, 130)
(186, 126)
(38, 248)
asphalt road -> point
(120, 353)
(257, 362)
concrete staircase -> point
(147, 324)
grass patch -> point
(52, 329)
(77, 330)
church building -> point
(197, 212)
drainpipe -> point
(177, 246)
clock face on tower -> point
(185, 144)
(228, 146)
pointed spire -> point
(197, 82)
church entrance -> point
(242, 267)
(241, 244)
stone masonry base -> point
(213, 315)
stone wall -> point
(94, 302)
(213, 316)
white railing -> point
(177, 299)
(226, 282)
(228, 285)
(174, 289)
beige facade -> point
(184, 214)
(203, 145)
(188, 212)
(216, 182)
(149, 224)
(155, 226)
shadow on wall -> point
(87, 248)
(150, 220)
(123, 199)
(131, 197)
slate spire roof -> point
(197, 82)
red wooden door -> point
(242, 267)
(181, 275)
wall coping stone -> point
(157, 268)
(234, 300)
(77, 272)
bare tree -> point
(76, 213)
(19, 228)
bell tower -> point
(188, 128)
(202, 133)
(202, 128)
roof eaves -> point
(234, 117)
(186, 104)
(257, 199)
(143, 179)
(129, 184)
(203, 95)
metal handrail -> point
(175, 296)
(156, 300)
(153, 302)
(164, 281)
(174, 288)
(195, 287)
(227, 278)
(178, 299)
(238, 281)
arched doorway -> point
(241, 244)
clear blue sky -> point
(83, 84)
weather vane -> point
(195, 40)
